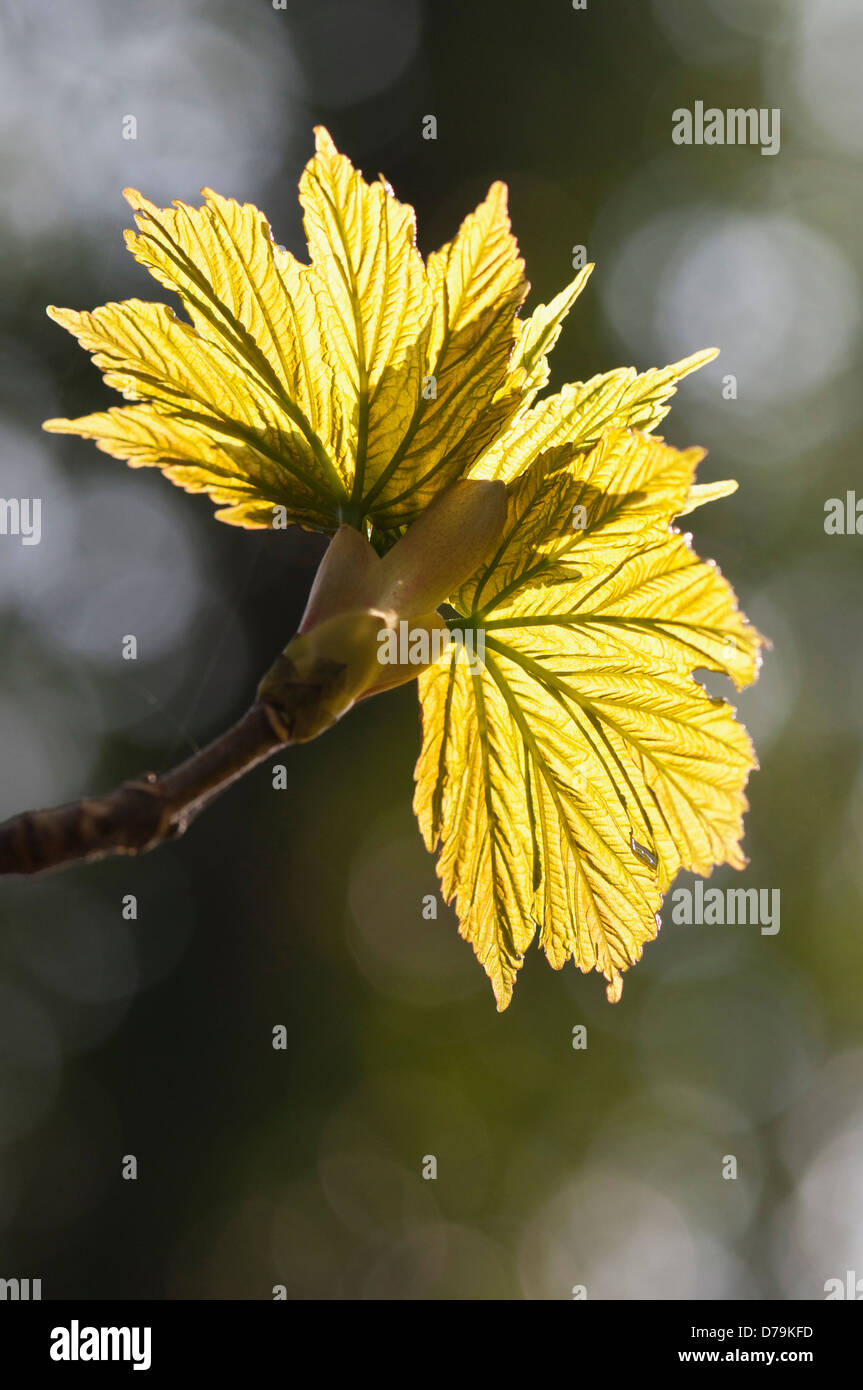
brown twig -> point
(143, 813)
(303, 693)
(297, 700)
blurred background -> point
(153, 1037)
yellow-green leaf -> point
(150, 355)
(255, 301)
(366, 380)
(707, 492)
(248, 479)
(569, 773)
(581, 413)
(477, 284)
(374, 303)
(528, 368)
(615, 766)
(470, 793)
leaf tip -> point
(324, 143)
(65, 317)
(502, 995)
(498, 196)
(701, 359)
(614, 988)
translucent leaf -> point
(707, 492)
(539, 333)
(374, 303)
(366, 379)
(193, 385)
(477, 284)
(252, 299)
(615, 767)
(581, 413)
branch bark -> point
(142, 813)
(330, 663)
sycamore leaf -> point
(198, 405)
(253, 299)
(374, 302)
(575, 765)
(581, 413)
(707, 492)
(234, 472)
(352, 389)
(538, 335)
(477, 284)
(569, 776)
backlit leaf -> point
(571, 771)
(374, 303)
(477, 283)
(615, 766)
(581, 413)
(253, 299)
(352, 389)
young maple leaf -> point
(351, 389)
(572, 772)
(571, 776)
